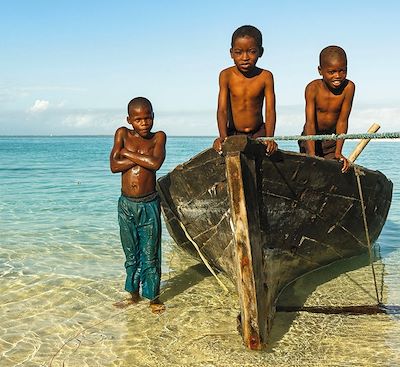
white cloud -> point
(79, 120)
(40, 106)
(91, 121)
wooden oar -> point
(362, 144)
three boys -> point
(138, 153)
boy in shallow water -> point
(242, 90)
(328, 106)
(138, 153)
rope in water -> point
(358, 173)
(394, 135)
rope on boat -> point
(206, 263)
(394, 135)
(358, 173)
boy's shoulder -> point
(266, 73)
(130, 133)
(318, 83)
(227, 71)
(158, 137)
(160, 134)
(350, 85)
(233, 71)
(122, 130)
(314, 84)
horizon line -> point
(90, 135)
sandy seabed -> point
(49, 320)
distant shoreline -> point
(169, 137)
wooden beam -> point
(242, 188)
(362, 144)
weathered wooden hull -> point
(309, 213)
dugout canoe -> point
(265, 221)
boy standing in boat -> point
(242, 90)
(138, 153)
(328, 105)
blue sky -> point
(70, 67)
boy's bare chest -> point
(138, 144)
(328, 102)
(240, 87)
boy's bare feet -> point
(157, 306)
(132, 300)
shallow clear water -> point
(61, 269)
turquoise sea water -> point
(61, 268)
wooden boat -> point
(265, 221)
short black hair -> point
(139, 102)
(250, 31)
(332, 52)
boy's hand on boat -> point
(345, 161)
(217, 145)
(270, 146)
